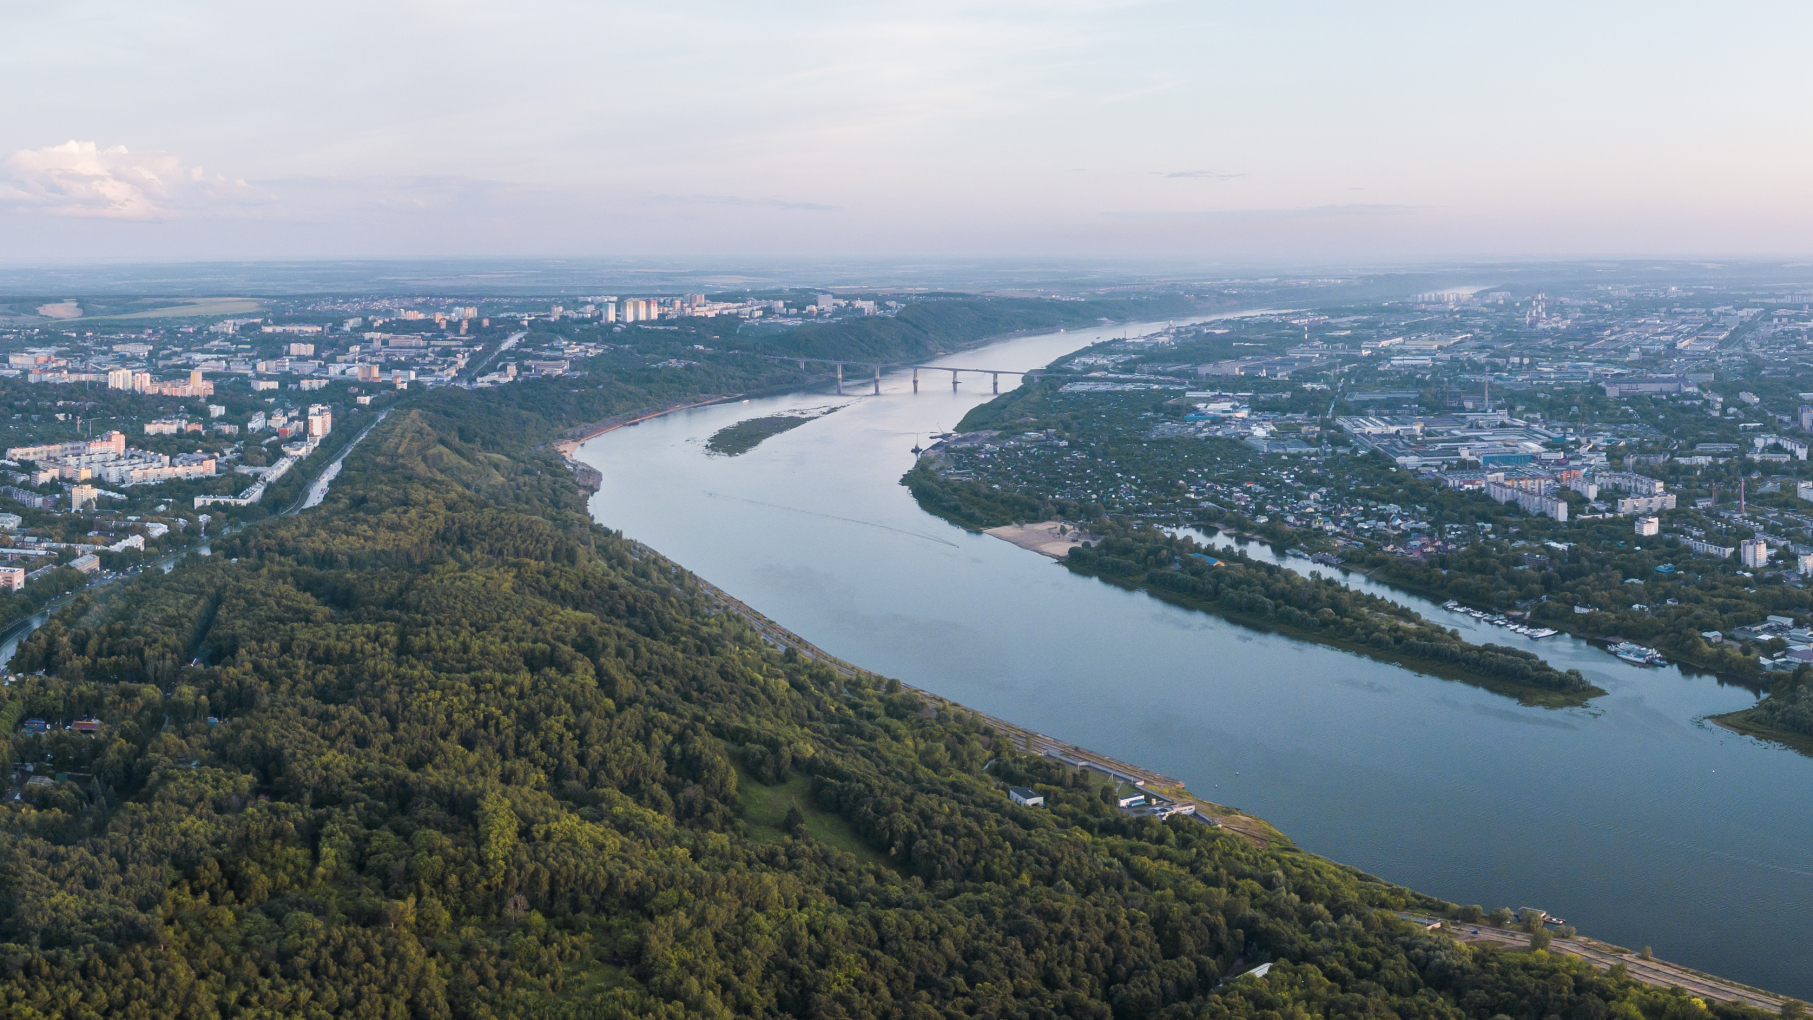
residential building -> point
(1723, 552)
(87, 563)
(1626, 481)
(1531, 502)
(1647, 526)
(12, 578)
(1646, 504)
(1753, 552)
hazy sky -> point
(1206, 131)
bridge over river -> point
(995, 374)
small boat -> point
(1638, 655)
(1543, 632)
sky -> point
(1204, 132)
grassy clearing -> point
(587, 976)
(192, 307)
(765, 808)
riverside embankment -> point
(1596, 813)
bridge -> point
(994, 374)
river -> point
(1631, 817)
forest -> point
(444, 747)
(936, 324)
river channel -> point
(1631, 817)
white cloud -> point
(82, 179)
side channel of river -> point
(1631, 817)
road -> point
(20, 627)
(508, 343)
(1652, 972)
(310, 496)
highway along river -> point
(1633, 819)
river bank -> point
(1605, 956)
(1399, 773)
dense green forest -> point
(443, 747)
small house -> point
(87, 726)
(1026, 798)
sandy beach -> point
(1042, 538)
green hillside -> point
(453, 750)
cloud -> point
(737, 200)
(82, 179)
(1200, 175)
(1315, 212)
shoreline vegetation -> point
(1270, 598)
(445, 747)
(746, 435)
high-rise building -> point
(1806, 417)
(119, 379)
(1647, 526)
(1754, 552)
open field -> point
(190, 307)
(765, 809)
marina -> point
(1501, 620)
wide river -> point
(1633, 818)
